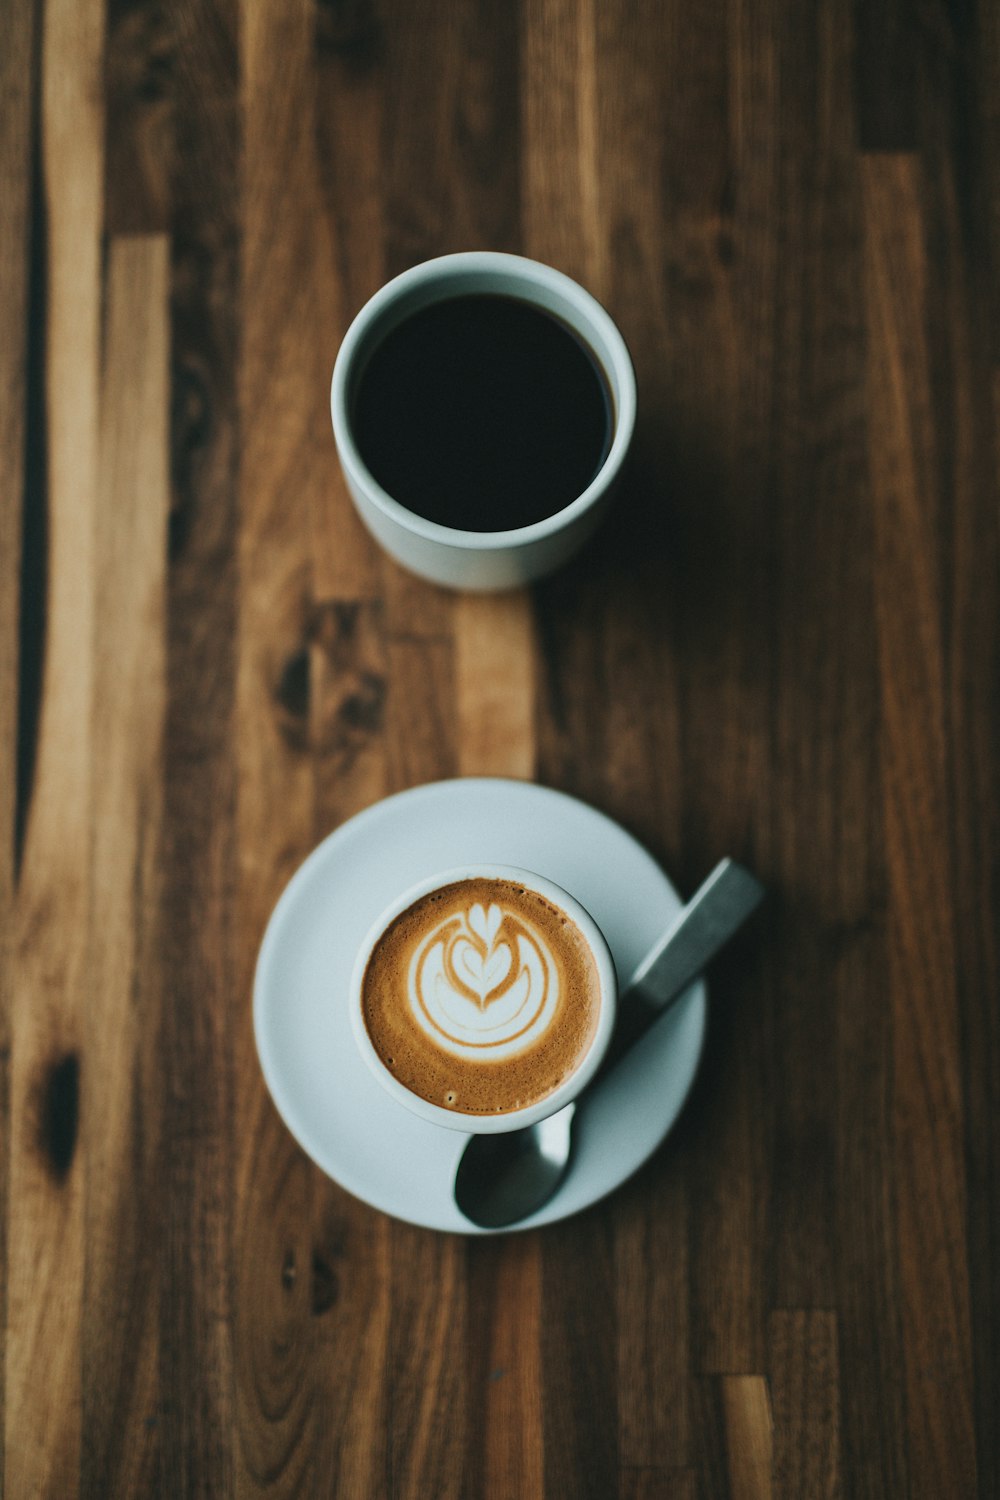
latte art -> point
(483, 981)
(482, 997)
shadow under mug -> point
(482, 560)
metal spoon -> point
(504, 1178)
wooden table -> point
(783, 647)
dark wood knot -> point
(190, 429)
(60, 1115)
(325, 1284)
(350, 31)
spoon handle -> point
(718, 908)
(715, 912)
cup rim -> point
(491, 1124)
(527, 273)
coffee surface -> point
(482, 997)
(483, 413)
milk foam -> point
(483, 983)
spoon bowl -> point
(506, 1171)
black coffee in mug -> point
(482, 412)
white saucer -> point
(329, 1100)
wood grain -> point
(652, 1270)
(495, 688)
(958, 124)
(804, 1372)
(51, 984)
(508, 1448)
(20, 400)
(927, 1114)
(201, 1002)
(782, 646)
(747, 1414)
(121, 1135)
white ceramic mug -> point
(493, 1124)
(482, 560)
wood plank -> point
(825, 708)
(707, 471)
(975, 718)
(652, 1280)
(20, 394)
(959, 132)
(495, 684)
(721, 485)
(311, 710)
(579, 1342)
(830, 1162)
(805, 1391)
(428, 1335)
(202, 1007)
(746, 1409)
(123, 1226)
(421, 713)
(514, 1456)
(505, 1394)
(561, 208)
(282, 474)
(274, 1399)
(50, 989)
(927, 1119)
(873, 1431)
(848, 908)
(351, 1331)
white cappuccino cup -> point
(484, 998)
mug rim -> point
(516, 1119)
(526, 274)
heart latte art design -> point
(483, 983)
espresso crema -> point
(482, 997)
